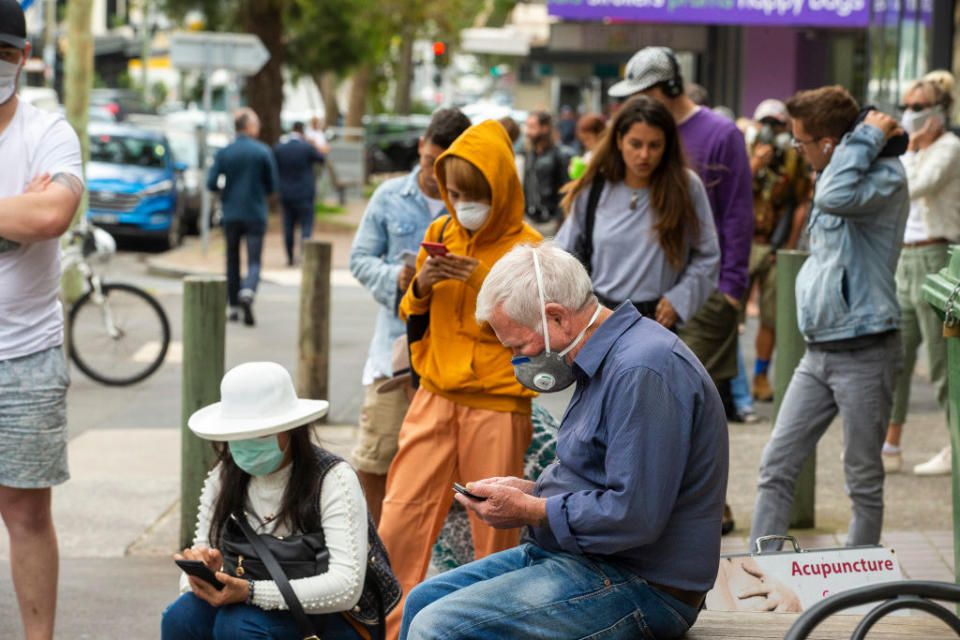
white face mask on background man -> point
(8, 80)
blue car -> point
(132, 183)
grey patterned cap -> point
(647, 67)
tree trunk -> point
(327, 84)
(405, 71)
(264, 91)
(359, 87)
(78, 82)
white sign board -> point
(242, 53)
(793, 582)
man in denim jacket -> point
(847, 311)
(394, 223)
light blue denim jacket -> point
(846, 287)
(395, 221)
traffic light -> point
(439, 49)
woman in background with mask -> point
(932, 163)
(470, 418)
(269, 470)
(654, 241)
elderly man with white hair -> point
(625, 525)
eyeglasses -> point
(916, 106)
(799, 144)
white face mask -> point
(8, 80)
(472, 215)
(914, 121)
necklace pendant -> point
(633, 201)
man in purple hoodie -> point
(717, 152)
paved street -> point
(118, 518)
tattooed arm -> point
(43, 212)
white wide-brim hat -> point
(256, 399)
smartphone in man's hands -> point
(198, 569)
(459, 488)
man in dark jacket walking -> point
(250, 174)
(295, 160)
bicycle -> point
(118, 334)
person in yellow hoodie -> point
(470, 418)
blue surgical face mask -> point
(548, 371)
(257, 456)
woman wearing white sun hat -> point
(285, 485)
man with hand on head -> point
(625, 525)
(389, 235)
(40, 188)
(847, 309)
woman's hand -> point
(210, 557)
(458, 267)
(234, 590)
(665, 314)
(438, 268)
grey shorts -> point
(33, 420)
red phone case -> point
(435, 249)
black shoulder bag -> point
(418, 323)
(583, 245)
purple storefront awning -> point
(808, 13)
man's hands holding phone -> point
(508, 503)
(234, 589)
(438, 268)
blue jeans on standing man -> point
(253, 232)
(529, 592)
(297, 211)
(190, 618)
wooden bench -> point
(746, 626)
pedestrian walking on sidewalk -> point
(271, 474)
(396, 219)
(716, 151)
(847, 310)
(781, 189)
(298, 187)
(250, 174)
(932, 163)
(40, 188)
(544, 172)
(470, 418)
(651, 235)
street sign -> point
(242, 53)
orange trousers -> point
(442, 442)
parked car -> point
(121, 102)
(391, 142)
(131, 179)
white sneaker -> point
(892, 462)
(938, 465)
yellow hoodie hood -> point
(487, 146)
(457, 358)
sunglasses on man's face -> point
(916, 106)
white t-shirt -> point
(435, 206)
(31, 317)
(316, 137)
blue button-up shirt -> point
(251, 175)
(641, 468)
(395, 221)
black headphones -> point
(674, 86)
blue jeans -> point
(740, 388)
(528, 592)
(190, 618)
(300, 211)
(233, 232)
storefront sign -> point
(793, 582)
(812, 13)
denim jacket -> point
(395, 221)
(846, 287)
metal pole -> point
(145, 49)
(205, 193)
(790, 347)
(204, 348)
(313, 344)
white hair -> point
(512, 282)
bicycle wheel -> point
(136, 347)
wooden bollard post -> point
(313, 342)
(204, 349)
(790, 349)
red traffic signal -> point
(439, 48)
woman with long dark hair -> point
(271, 473)
(651, 238)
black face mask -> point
(896, 146)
